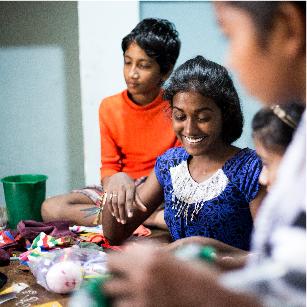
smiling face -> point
(266, 71)
(270, 161)
(197, 122)
(142, 75)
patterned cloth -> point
(217, 207)
(6, 238)
(93, 192)
(43, 243)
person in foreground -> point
(134, 128)
(210, 187)
(270, 59)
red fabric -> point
(132, 136)
(142, 231)
(98, 238)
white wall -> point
(40, 117)
(102, 25)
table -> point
(36, 294)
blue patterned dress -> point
(217, 207)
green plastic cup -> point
(24, 195)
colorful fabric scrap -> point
(42, 244)
(6, 238)
(48, 242)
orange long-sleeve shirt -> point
(132, 136)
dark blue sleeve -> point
(243, 171)
(249, 183)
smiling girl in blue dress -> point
(210, 187)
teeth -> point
(194, 140)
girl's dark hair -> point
(263, 14)
(272, 131)
(211, 80)
(159, 39)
